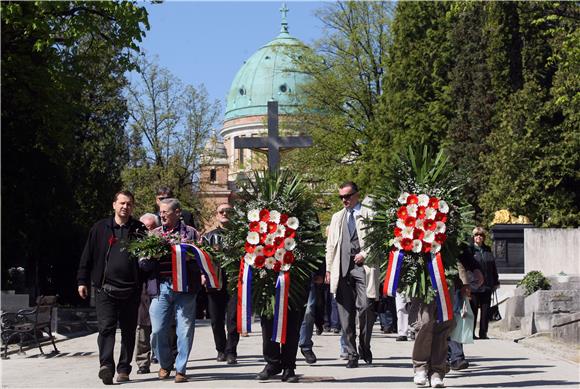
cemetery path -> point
(494, 363)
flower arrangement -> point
(270, 241)
(155, 245)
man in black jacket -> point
(115, 276)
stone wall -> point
(552, 250)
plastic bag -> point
(463, 331)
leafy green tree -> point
(168, 128)
(62, 116)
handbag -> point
(493, 311)
(463, 331)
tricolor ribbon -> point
(437, 274)
(179, 268)
(393, 273)
(244, 311)
(281, 307)
(206, 265)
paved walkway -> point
(494, 363)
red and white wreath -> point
(271, 240)
(420, 225)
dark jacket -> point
(484, 258)
(92, 263)
(214, 239)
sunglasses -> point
(347, 196)
(479, 235)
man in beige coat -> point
(354, 284)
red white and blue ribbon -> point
(437, 274)
(179, 268)
(281, 307)
(206, 265)
(393, 273)
(244, 311)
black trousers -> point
(222, 307)
(481, 300)
(281, 356)
(111, 311)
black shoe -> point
(289, 376)
(475, 337)
(401, 339)
(367, 357)
(327, 328)
(267, 373)
(106, 375)
(154, 360)
(309, 356)
(221, 357)
(483, 337)
(352, 363)
(460, 364)
(143, 370)
(231, 359)
(387, 330)
(319, 330)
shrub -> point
(533, 281)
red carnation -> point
(440, 217)
(412, 199)
(402, 213)
(283, 218)
(255, 226)
(429, 225)
(250, 248)
(420, 212)
(288, 258)
(434, 202)
(407, 244)
(418, 233)
(112, 240)
(290, 233)
(279, 242)
(269, 250)
(410, 221)
(398, 231)
(259, 261)
(440, 238)
(272, 227)
(277, 266)
(263, 238)
(264, 215)
(426, 247)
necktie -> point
(350, 222)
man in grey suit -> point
(351, 281)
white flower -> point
(401, 224)
(259, 250)
(423, 200)
(435, 247)
(253, 238)
(275, 216)
(430, 213)
(429, 236)
(440, 229)
(289, 244)
(417, 246)
(412, 210)
(269, 264)
(407, 232)
(249, 259)
(397, 243)
(292, 223)
(286, 267)
(419, 223)
(403, 198)
(263, 227)
(262, 273)
(280, 254)
(443, 206)
(254, 215)
(280, 231)
(269, 239)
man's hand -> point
(203, 280)
(327, 278)
(359, 259)
(83, 292)
(318, 280)
(466, 291)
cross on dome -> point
(284, 11)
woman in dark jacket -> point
(481, 297)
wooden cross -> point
(273, 143)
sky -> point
(207, 42)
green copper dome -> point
(269, 74)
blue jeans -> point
(455, 349)
(334, 322)
(305, 342)
(163, 308)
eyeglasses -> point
(223, 211)
(347, 196)
(482, 235)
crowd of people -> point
(157, 321)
